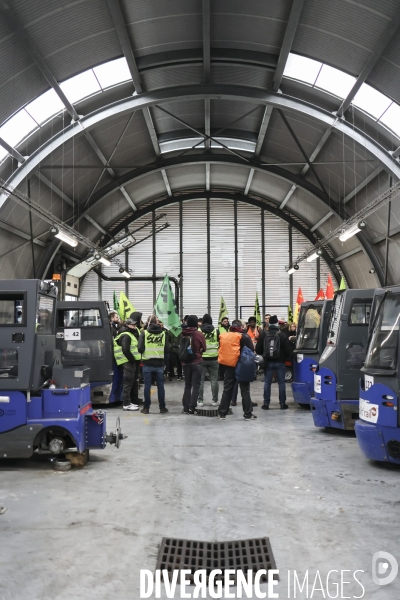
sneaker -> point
(200, 403)
(214, 403)
(193, 411)
(233, 403)
(130, 407)
(284, 406)
(249, 417)
(179, 378)
(222, 417)
(265, 407)
(163, 410)
(145, 410)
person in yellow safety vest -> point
(210, 360)
(253, 331)
(153, 345)
(126, 353)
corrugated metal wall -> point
(222, 261)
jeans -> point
(158, 373)
(192, 384)
(130, 371)
(210, 367)
(280, 370)
(174, 362)
(229, 384)
(116, 388)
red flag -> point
(329, 289)
(320, 295)
(299, 301)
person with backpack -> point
(275, 348)
(191, 349)
(231, 345)
(153, 345)
(210, 359)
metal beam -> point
(325, 218)
(207, 124)
(208, 176)
(263, 130)
(21, 234)
(380, 238)
(199, 92)
(290, 32)
(363, 184)
(343, 256)
(288, 196)
(373, 59)
(12, 151)
(166, 182)
(24, 39)
(249, 180)
(206, 40)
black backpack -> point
(186, 353)
(272, 345)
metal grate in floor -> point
(210, 412)
(177, 554)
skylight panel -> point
(335, 81)
(17, 128)
(302, 68)
(371, 101)
(44, 107)
(81, 86)
(112, 72)
(391, 118)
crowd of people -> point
(149, 353)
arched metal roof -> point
(211, 71)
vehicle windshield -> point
(308, 331)
(334, 320)
(382, 350)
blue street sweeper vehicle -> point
(311, 340)
(378, 429)
(335, 402)
(45, 405)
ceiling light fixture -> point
(314, 256)
(293, 269)
(61, 235)
(124, 273)
(353, 230)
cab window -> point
(82, 317)
(12, 309)
(45, 315)
(8, 363)
(360, 312)
(80, 350)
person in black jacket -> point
(230, 378)
(153, 345)
(116, 388)
(131, 367)
(274, 364)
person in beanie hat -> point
(274, 342)
(210, 359)
(192, 370)
(231, 344)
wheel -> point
(288, 375)
(60, 464)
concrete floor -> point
(85, 534)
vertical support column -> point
(263, 259)
(154, 257)
(99, 284)
(31, 230)
(291, 265)
(236, 259)
(318, 274)
(181, 255)
(208, 258)
(385, 281)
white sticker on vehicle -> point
(317, 384)
(368, 381)
(368, 412)
(300, 357)
(72, 334)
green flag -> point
(223, 311)
(126, 308)
(116, 303)
(290, 314)
(342, 284)
(257, 311)
(166, 308)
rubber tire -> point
(288, 375)
(62, 465)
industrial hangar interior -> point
(242, 149)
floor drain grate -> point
(210, 412)
(255, 554)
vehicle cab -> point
(311, 340)
(378, 429)
(336, 378)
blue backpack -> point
(246, 367)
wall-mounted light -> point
(293, 269)
(124, 273)
(348, 233)
(64, 237)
